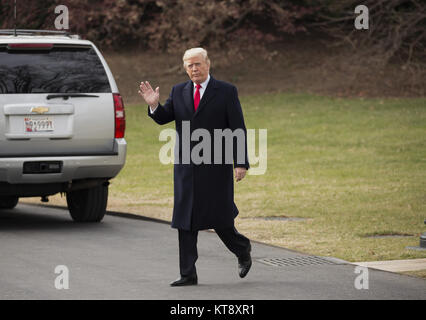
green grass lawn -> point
(352, 167)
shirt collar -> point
(204, 84)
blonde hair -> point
(195, 52)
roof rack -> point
(31, 32)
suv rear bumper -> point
(73, 167)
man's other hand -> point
(240, 173)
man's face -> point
(197, 69)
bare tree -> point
(397, 29)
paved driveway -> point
(136, 258)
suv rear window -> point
(62, 69)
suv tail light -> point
(120, 117)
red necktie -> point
(197, 97)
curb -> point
(144, 218)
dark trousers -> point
(234, 241)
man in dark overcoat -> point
(204, 110)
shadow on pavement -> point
(39, 218)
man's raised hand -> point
(150, 96)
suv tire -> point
(8, 202)
(88, 205)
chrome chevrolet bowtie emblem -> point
(40, 110)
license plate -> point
(38, 124)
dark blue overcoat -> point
(203, 192)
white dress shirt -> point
(202, 90)
(203, 87)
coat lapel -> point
(207, 96)
(188, 96)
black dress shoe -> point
(244, 265)
(185, 281)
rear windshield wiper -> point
(67, 95)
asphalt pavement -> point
(45, 255)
